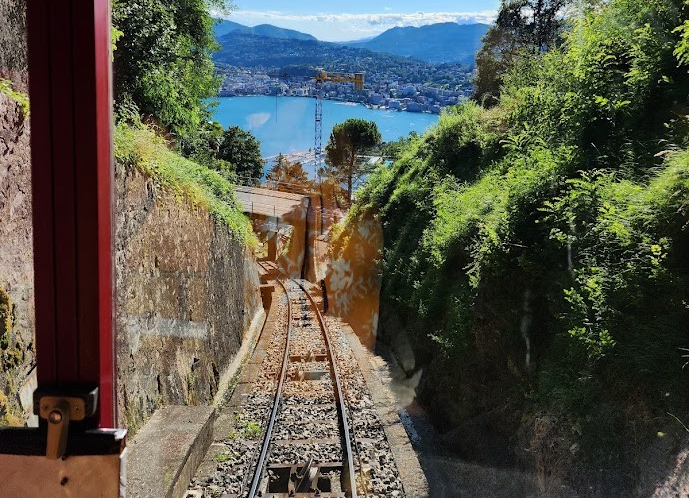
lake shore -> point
(285, 125)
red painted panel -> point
(71, 119)
(64, 143)
(42, 180)
(106, 181)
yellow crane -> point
(321, 77)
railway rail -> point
(308, 423)
(302, 423)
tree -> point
(162, 62)
(523, 27)
(241, 149)
(204, 145)
(498, 53)
(347, 141)
(393, 150)
(288, 176)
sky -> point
(345, 20)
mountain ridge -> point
(239, 48)
(224, 27)
(261, 53)
(438, 43)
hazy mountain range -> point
(436, 43)
(444, 42)
(268, 30)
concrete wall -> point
(187, 292)
(17, 352)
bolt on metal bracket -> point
(60, 406)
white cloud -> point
(345, 26)
(408, 19)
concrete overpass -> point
(269, 203)
(279, 219)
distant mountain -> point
(224, 27)
(358, 41)
(240, 49)
(443, 42)
(271, 31)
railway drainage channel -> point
(301, 422)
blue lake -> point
(286, 124)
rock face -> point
(13, 50)
(187, 291)
(17, 353)
(353, 277)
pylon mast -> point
(321, 76)
(318, 135)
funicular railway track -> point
(301, 421)
(307, 448)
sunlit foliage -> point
(162, 61)
(540, 246)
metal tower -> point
(321, 76)
(318, 131)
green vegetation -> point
(9, 415)
(13, 353)
(536, 251)
(21, 98)
(347, 142)
(164, 76)
(251, 430)
(162, 62)
(248, 429)
(241, 149)
(138, 147)
(288, 176)
(6, 318)
(523, 28)
(203, 146)
(224, 457)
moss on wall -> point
(6, 319)
(11, 357)
(21, 98)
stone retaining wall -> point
(187, 291)
(17, 325)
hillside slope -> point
(535, 255)
(250, 51)
(442, 42)
(247, 50)
(223, 27)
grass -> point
(247, 429)
(140, 148)
(224, 457)
(251, 429)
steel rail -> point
(350, 478)
(260, 464)
(341, 408)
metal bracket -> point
(307, 478)
(60, 406)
